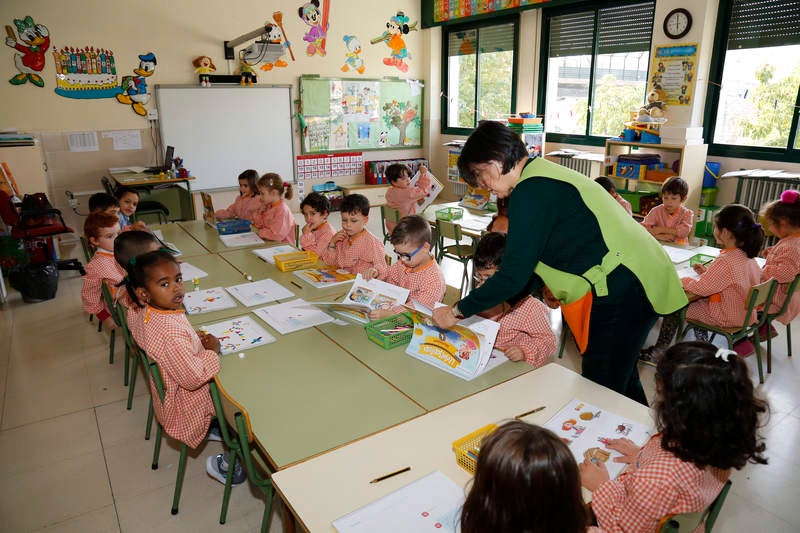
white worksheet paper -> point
(259, 292)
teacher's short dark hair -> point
(491, 141)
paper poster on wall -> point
(317, 134)
(673, 71)
(400, 114)
(360, 100)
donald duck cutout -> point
(353, 60)
(35, 40)
(134, 88)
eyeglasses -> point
(478, 280)
(407, 257)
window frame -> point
(475, 25)
(789, 154)
(544, 56)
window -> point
(596, 59)
(479, 74)
(753, 99)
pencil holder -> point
(468, 447)
(386, 332)
(702, 259)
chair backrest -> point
(88, 249)
(388, 214)
(155, 375)
(107, 185)
(449, 230)
(686, 522)
(110, 303)
(759, 295)
(8, 211)
(230, 408)
(789, 293)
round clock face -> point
(677, 23)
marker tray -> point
(468, 447)
(376, 331)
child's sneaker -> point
(217, 467)
(744, 348)
(649, 356)
(213, 432)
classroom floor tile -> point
(81, 462)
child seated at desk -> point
(188, 360)
(401, 195)
(783, 259)
(707, 417)
(248, 203)
(317, 233)
(671, 221)
(275, 221)
(353, 248)
(100, 230)
(723, 285)
(415, 269)
(127, 246)
(525, 333)
(608, 185)
(526, 480)
(128, 199)
(102, 201)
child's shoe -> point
(213, 432)
(217, 467)
(764, 335)
(650, 356)
(744, 348)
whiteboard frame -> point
(274, 159)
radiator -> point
(755, 191)
(459, 188)
(584, 166)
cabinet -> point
(376, 194)
(691, 160)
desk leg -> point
(191, 200)
(287, 517)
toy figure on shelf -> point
(393, 37)
(247, 71)
(354, 59)
(653, 109)
(204, 66)
(35, 40)
(134, 88)
(318, 22)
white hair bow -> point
(723, 354)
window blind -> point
(627, 28)
(760, 23)
(497, 38)
(572, 34)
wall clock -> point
(677, 23)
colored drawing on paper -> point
(207, 300)
(86, 73)
(239, 334)
(30, 43)
(292, 316)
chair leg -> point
(769, 349)
(269, 494)
(226, 494)
(758, 356)
(112, 336)
(157, 447)
(99, 326)
(132, 382)
(126, 373)
(176, 498)
(789, 338)
(563, 339)
(149, 421)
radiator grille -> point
(755, 191)
(584, 166)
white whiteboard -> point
(220, 131)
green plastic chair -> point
(690, 521)
(772, 316)
(392, 215)
(131, 356)
(241, 442)
(758, 296)
(112, 308)
(459, 252)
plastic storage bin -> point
(386, 332)
(700, 259)
(449, 213)
(468, 447)
(295, 260)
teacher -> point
(569, 238)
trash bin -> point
(36, 281)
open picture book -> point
(365, 296)
(324, 277)
(436, 188)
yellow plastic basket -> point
(449, 213)
(295, 260)
(468, 447)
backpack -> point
(37, 210)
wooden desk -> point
(156, 187)
(326, 487)
(208, 237)
(472, 223)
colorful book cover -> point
(325, 277)
(207, 300)
(237, 334)
(475, 198)
(436, 188)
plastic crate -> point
(230, 227)
(449, 213)
(700, 259)
(378, 331)
(295, 260)
(468, 447)
(635, 197)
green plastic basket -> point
(701, 259)
(380, 331)
(449, 213)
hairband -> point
(790, 196)
(723, 353)
(132, 261)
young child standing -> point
(707, 415)
(671, 221)
(415, 269)
(353, 248)
(128, 199)
(274, 221)
(783, 259)
(248, 202)
(608, 185)
(525, 333)
(100, 230)
(187, 359)
(401, 195)
(526, 480)
(317, 232)
(724, 284)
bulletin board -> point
(346, 115)
(673, 70)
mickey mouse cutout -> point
(35, 40)
(318, 26)
(393, 37)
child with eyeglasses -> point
(525, 333)
(415, 269)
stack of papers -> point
(268, 254)
(241, 239)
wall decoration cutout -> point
(353, 59)
(269, 49)
(396, 27)
(85, 73)
(317, 20)
(204, 66)
(31, 45)
(134, 88)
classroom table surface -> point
(209, 237)
(473, 221)
(144, 179)
(305, 395)
(326, 487)
(176, 235)
(220, 274)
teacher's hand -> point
(550, 300)
(443, 317)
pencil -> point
(387, 476)
(526, 413)
(295, 284)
